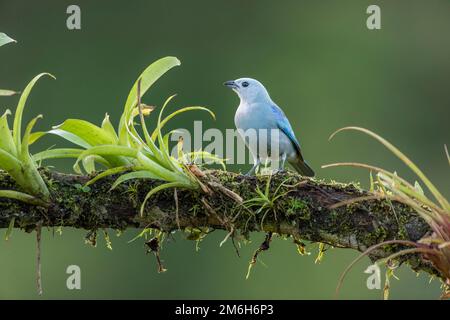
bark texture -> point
(304, 211)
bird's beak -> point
(231, 84)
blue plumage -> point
(257, 111)
(284, 125)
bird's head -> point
(248, 89)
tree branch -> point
(306, 210)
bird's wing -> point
(284, 125)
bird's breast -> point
(253, 117)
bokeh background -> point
(319, 62)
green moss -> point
(195, 209)
(378, 235)
(299, 208)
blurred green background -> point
(319, 62)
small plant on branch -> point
(15, 157)
(434, 248)
(126, 151)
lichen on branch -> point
(307, 210)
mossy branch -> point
(306, 210)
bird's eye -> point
(245, 84)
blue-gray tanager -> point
(257, 111)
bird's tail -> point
(302, 167)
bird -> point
(257, 111)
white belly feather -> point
(260, 132)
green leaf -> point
(439, 197)
(12, 165)
(150, 142)
(25, 174)
(82, 188)
(70, 137)
(7, 93)
(35, 136)
(17, 127)
(132, 133)
(177, 112)
(206, 156)
(34, 182)
(108, 172)
(24, 149)
(108, 128)
(6, 139)
(87, 132)
(89, 164)
(105, 162)
(418, 188)
(133, 138)
(24, 197)
(143, 233)
(134, 175)
(157, 134)
(166, 141)
(157, 189)
(150, 75)
(10, 228)
(160, 171)
(57, 154)
(107, 150)
(4, 39)
(167, 161)
(110, 150)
